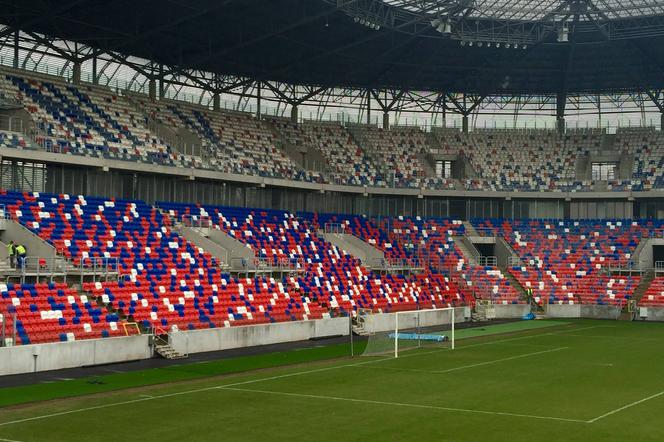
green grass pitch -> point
(575, 380)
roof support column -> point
(152, 88)
(258, 100)
(16, 39)
(368, 107)
(76, 72)
(386, 120)
(561, 101)
(216, 101)
(95, 79)
(162, 86)
(464, 123)
(294, 113)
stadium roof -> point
(612, 45)
(532, 10)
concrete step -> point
(167, 352)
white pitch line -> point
(625, 407)
(402, 404)
(9, 440)
(480, 364)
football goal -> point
(411, 330)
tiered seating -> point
(54, 312)
(654, 296)
(237, 142)
(334, 278)
(647, 146)
(430, 243)
(520, 161)
(398, 149)
(489, 283)
(347, 163)
(567, 261)
(88, 121)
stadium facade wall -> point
(59, 355)
(215, 339)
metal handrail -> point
(200, 222)
(334, 228)
(487, 261)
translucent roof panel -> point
(534, 10)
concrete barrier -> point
(651, 314)
(563, 311)
(380, 322)
(583, 311)
(511, 311)
(59, 355)
(215, 339)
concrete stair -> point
(470, 229)
(642, 288)
(167, 352)
(514, 282)
(469, 252)
(354, 246)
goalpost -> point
(412, 330)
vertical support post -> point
(76, 73)
(294, 114)
(561, 101)
(162, 86)
(216, 101)
(368, 107)
(396, 335)
(350, 331)
(258, 100)
(453, 319)
(386, 120)
(464, 124)
(444, 122)
(661, 122)
(16, 39)
(152, 89)
(95, 80)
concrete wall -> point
(214, 339)
(583, 311)
(511, 311)
(563, 311)
(59, 355)
(381, 322)
(651, 314)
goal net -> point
(406, 331)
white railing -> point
(198, 222)
(334, 228)
(487, 261)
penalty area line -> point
(625, 407)
(403, 404)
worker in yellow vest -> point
(11, 251)
(20, 253)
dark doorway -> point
(657, 254)
(486, 249)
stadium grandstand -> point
(290, 218)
